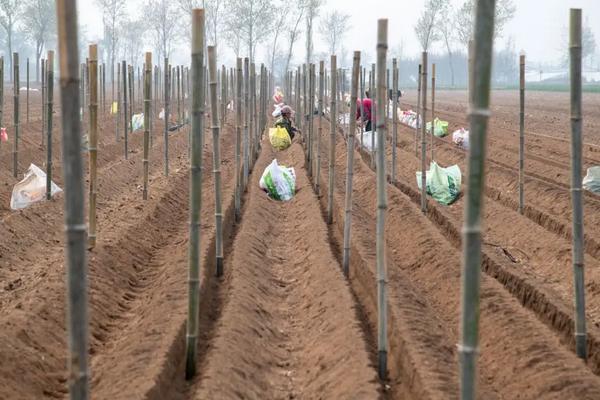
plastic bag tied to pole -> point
(591, 181)
(31, 189)
(443, 184)
(278, 181)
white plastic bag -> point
(461, 138)
(278, 181)
(443, 184)
(161, 114)
(31, 189)
(591, 181)
(137, 122)
(368, 140)
(276, 112)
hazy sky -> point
(537, 27)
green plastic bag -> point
(278, 181)
(443, 184)
(440, 127)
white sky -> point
(537, 27)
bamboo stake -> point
(419, 116)
(119, 105)
(147, 119)
(394, 118)
(131, 96)
(362, 109)
(77, 317)
(214, 113)
(49, 104)
(195, 189)
(112, 81)
(43, 100)
(238, 138)
(424, 134)
(103, 88)
(252, 133)
(179, 80)
(382, 28)
(575, 48)
(166, 90)
(27, 104)
(16, 82)
(125, 120)
(333, 128)
(93, 141)
(311, 127)
(246, 119)
(350, 164)
(432, 108)
(223, 95)
(320, 102)
(471, 269)
(521, 132)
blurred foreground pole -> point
(48, 117)
(214, 116)
(238, 138)
(16, 112)
(77, 317)
(382, 30)
(521, 132)
(197, 132)
(93, 139)
(350, 163)
(575, 49)
(479, 114)
(394, 118)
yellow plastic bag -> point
(115, 107)
(279, 138)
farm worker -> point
(285, 121)
(278, 95)
(367, 105)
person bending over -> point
(285, 121)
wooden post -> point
(471, 268)
(418, 111)
(246, 119)
(93, 141)
(125, 119)
(195, 190)
(147, 119)
(521, 132)
(238, 138)
(394, 119)
(432, 108)
(333, 128)
(166, 90)
(48, 117)
(76, 263)
(382, 28)
(350, 163)
(214, 114)
(27, 101)
(16, 82)
(318, 151)
(575, 49)
(424, 134)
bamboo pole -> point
(478, 119)
(252, 128)
(16, 112)
(311, 125)
(320, 102)
(332, 130)
(48, 117)
(93, 141)
(373, 96)
(178, 76)
(419, 116)
(27, 100)
(119, 105)
(77, 316)
(125, 119)
(2, 94)
(382, 28)
(238, 138)
(147, 119)
(350, 163)
(362, 109)
(223, 95)
(246, 119)
(131, 80)
(575, 49)
(394, 119)
(424, 133)
(112, 81)
(195, 189)
(43, 100)
(432, 108)
(103, 88)
(166, 90)
(521, 132)
(214, 113)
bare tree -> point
(163, 18)
(333, 28)
(214, 13)
(295, 17)
(253, 19)
(132, 34)
(425, 29)
(10, 11)
(233, 38)
(447, 33)
(588, 44)
(39, 23)
(279, 25)
(465, 15)
(113, 11)
(311, 10)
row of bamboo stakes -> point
(247, 121)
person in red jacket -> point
(367, 106)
